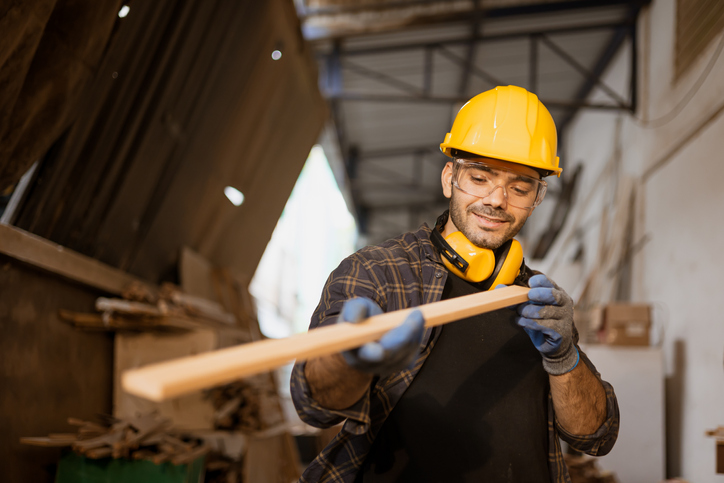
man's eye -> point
(520, 190)
(479, 178)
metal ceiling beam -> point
(306, 12)
(633, 95)
(381, 173)
(480, 38)
(390, 186)
(439, 201)
(533, 64)
(436, 17)
(383, 78)
(392, 98)
(427, 74)
(617, 40)
(471, 49)
(402, 151)
(468, 67)
(335, 84)
(590, 76)
(530, 9)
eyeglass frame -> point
(462, 162)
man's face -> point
(487, 222)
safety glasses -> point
(479, 179)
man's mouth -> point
(489, 221)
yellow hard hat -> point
(506, 123)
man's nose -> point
(497, 197)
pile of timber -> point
(143, 308)
(220, 468)
(146, 437)
(248, 405)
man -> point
(473, 400)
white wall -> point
(678, 207)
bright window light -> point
(297, 260)
(124, 11)
(277, 54)
(235, 196)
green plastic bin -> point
(75, 468)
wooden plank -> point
(55, 258)
(173, 378)
(46, 442)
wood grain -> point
(37, 251)
(174, 378)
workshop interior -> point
(178, 179)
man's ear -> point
(446, 179)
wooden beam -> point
(39, 252)
(174, 378)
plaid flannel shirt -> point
(406, 271)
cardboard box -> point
(627, 324)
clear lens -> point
(479, 179)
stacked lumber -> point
(146, 437)
(220, 468)
(248, 405)
(143, 308)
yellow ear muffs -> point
(481, 261)
(475, 264)
(508, 265)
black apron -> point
(476, 411)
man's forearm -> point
(333, 383)
(579, 400)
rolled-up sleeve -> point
(312, 413)
(351, 279)
(602, 441)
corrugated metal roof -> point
(395, 93)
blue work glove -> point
(397, 348)
(548, 320)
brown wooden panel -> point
(48, 370)
(272, 120)
(697, 23)
(187, 101)
(70, 173)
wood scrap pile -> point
(583, 469)
(146, 437)
(248, 405)
(220, 468)
(143, 308)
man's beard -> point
(482, 237)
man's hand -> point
(396, 350)
(548, 320)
